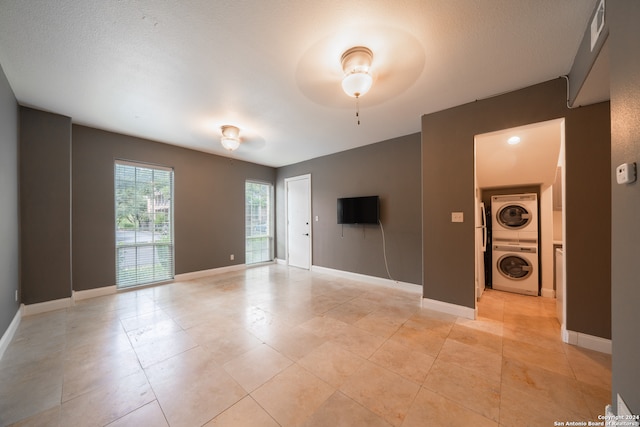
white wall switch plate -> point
(457, 217)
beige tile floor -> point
(272, 346)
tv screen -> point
(359, 210)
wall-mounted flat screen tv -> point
(359, 210)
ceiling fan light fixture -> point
(357, 84)
(230, 137)
(356, 65)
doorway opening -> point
(532, 165)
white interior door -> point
(298, 207)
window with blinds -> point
(258, 222)
(144, 224)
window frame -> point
(270, 235)
(170, 244)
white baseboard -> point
(44, 307)
(281, 261)
(260, 264)
(446, 307)
(92, 293)
(548, 293)
(9, 333)
(591, 342)
(203, 273)
(410, 287)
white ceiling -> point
(175, 71)
(533, 161)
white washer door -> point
(514, 216)
(514, 267)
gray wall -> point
(9, 206)
(389, 169)
(45, 205)
(447, 185)
(588, 215)
(624, 39)
(208, 208)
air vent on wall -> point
(597, 24)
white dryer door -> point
(513, 216)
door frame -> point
(562, 156)
(306, 177)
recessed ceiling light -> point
(514, 140)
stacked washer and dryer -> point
(515, 243)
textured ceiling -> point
(176, 71)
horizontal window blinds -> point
(144, 224)
(258, 222)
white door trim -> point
(286, 215)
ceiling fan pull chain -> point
(358, 109)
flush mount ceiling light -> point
(356, 64)
(230, 137)
(514, 140)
